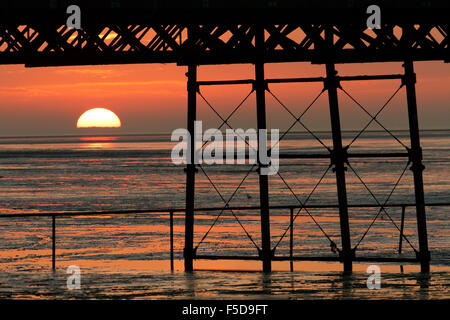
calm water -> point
(126, 256)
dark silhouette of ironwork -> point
(257, 32)
(156, 31)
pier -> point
(196, 33)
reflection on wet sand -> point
(96, 284)
(127, 256)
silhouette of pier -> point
(256, 32)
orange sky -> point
(152, 98)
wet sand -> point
(138, 281)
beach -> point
(127, 256)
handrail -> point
(162, 210)
(171, 212)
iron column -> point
(417, 166)
(339, 159)
(190, 169)
(260, 87)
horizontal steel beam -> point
(304, 156)
(359, 259)
(225, 82)
(321, 156)
(295, 80)
(371, 77)
(350, 155)
(56, 59)
(306, 258)
(341, 78)
(298, 80)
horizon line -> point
(168, 133)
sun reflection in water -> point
(98, 142)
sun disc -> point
(98, 118)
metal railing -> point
(171, 212)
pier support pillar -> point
(190, 169)
(339, 158)
(417, 166)
(260, 88)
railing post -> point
(402, 225)
(171, 241)
(291, 244)
(53, 242)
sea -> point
(127, 256)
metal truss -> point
(49, 45)
(344, 158)
(256, 32)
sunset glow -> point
(99, 118)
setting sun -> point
(98, 118)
